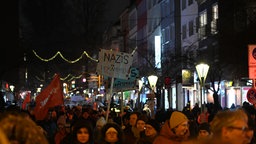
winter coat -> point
(167, 136)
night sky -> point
(48, 26)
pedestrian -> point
(82, 132)
(97, 130)
(111, 133)
(152, 129)
(174, 130)
(2, 102)
(204, 116)
(140, 126)
(61, 131)
(20, 129)
(204, 131)
(130, 130)
(230, 127)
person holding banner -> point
(50, 97)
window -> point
(163, 35)
(190, 2)
(202, 24)
(215, 13)
(215, 16)
(132, 20)
(166, 35)
(149, 4)
(184, 30)
(184, 4)
(191, 28)
(154, 2)
(172, 32)
(149, 25)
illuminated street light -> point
(12, 87)
(152, 79)
(202, 70)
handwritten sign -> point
(130, 83)
(114, 64)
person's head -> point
(83, 131)
(204, 130)
(100, 123)
(179, 124)
(23, 130)
(231, 127)
(141, 121)
(61, 126)
(111, 133)
(133, 118)
(85, 113)
(152, 128)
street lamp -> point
(202, 70)
(152, 79)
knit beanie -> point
(205, 126)
(143, 118)
(177, 118)
(155, 124)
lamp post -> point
(202, 70)
(152, 79)
(140, 87)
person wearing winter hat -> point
(204, 131)
(152, 129)
(97, 130)
(154, 124)
(175, 130)
(111, 133)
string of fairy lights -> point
(69, 77)
(65, 59)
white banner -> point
(114, 64)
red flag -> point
(51, 96)
(26, 100)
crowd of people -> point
(83, 125)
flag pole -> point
(109, 99)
